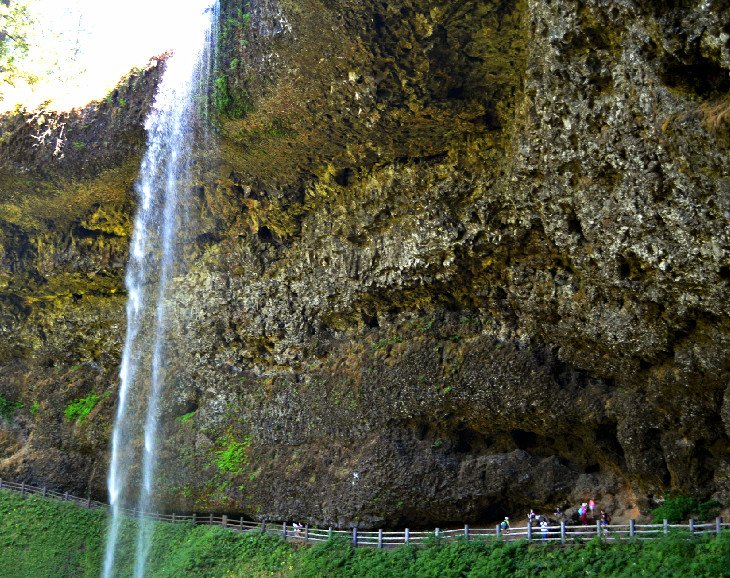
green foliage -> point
(78, 145)
(54, 539)
(79, 409)
(8, 408)
(35, 407)
(228, 98)
(680, 508)
(232, 457)
(708, 510)
(221, 95)
(186, 417)
(109, 99)
(383, 343)
(231, 104)
(278, 128)
(14, 23)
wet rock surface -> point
(449, 261)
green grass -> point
(49, 539)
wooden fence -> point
(562, 533)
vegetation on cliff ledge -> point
(39, 537)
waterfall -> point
(173, 127)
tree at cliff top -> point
(62, 55)
(14, 22)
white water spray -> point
(162, 188)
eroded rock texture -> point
(452, 259)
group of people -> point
(604, 516)
(532, 517)
(585, 510)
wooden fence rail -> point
(563, 533)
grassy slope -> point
(47, 539)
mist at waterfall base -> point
(175, 128)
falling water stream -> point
(173, 128)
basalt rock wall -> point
(451, 260)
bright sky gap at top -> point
(81, 48)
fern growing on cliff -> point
(79, 409)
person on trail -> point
(583, 514)
(605, 521)
(605, 517)
(592, 506)
(531, 516)
(544, 529)
(504, 524)
(558, 513)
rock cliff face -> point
(451, 259)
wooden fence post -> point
(666, 526)
(22, 489)
(598, 530)
(210, 519)
(45, 491)
(195, 518)
(329, 533)
(529, 530)
(263, 527)
(718, 525)
(437, 532)
(65, 496)
(466, 532)
(380, 538)
(88, 503)
(240, 523)
(498, 530)
(306, 532)
(224, 520)
(632, 528)
(407, 537)
(354, 537)
(562, 531)
(284, 530)
(1, 483)
(691, 527)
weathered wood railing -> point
(562, 533)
